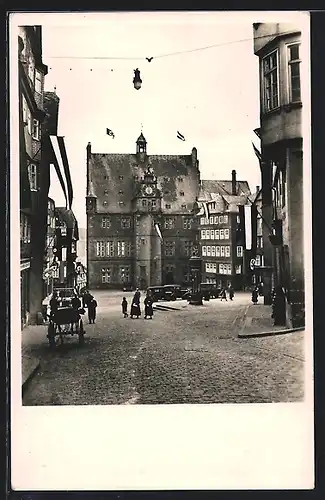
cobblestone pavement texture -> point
(191, 355)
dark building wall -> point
(281, 140)
(31, 108)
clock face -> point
(148, 190)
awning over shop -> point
(61, 164)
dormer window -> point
(105, 191)
(183, 206)
(121, 203)
(121, 177)
(105, 203)
(182, 193)
(120, 191)
(166, 179)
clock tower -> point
(147, 210)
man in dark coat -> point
(255, 295)
(54, 305)
(86, 298)
(92, 304)
(231, 292)
(76, 305)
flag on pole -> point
(158, 230)
(110, 132)
(256, 151)
(180, 136)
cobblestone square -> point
(188, 355)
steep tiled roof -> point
(225, 187)
(224, 202)
(114, 177)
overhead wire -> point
(171, 53)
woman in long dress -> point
(148, 309)
(135, 306)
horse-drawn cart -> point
(65, 321)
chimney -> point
(233, 183)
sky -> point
(211, 96)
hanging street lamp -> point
(137, 79)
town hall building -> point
(128, 195)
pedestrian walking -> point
(54, 305)
(125, 307)
(92, 305)
(75, 302)
(86, 298)
(135, 309)
(148, 309)
(137, 296)
(231, 292)
(255, 295)
(76, 305)
(223, 294)
(260, 289)
(135, 306)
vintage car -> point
(157, 293)
(128, 287)
(173, 292)
(209, 290)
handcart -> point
(65, 321)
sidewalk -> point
(31, 338)
(257, 322)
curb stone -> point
(271, 333)
(34, 365)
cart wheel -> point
(51, 335)
(81, 333)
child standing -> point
(125, 307)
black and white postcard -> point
(161, 307)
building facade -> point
(32, 72)
(258, 268)
(66, 247)
(278, 47)
(128, 195)
(221, 232)
(50, 273)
